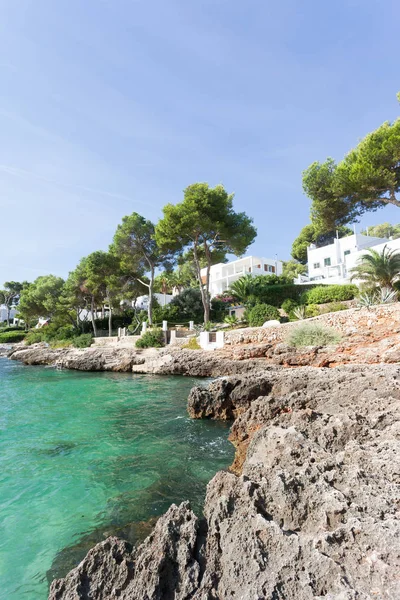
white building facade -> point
(223, 275)
(333, 263)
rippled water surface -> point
(83, 455)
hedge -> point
(275, 295)
(323, 294)
(12, 337)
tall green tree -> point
(293, 268)
(311, 234)
(378, 268)
(202, 224)
(10, 294)
(383, 230)
(40, 298)
(366, 179)
(135, 245)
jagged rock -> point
(224, 398)
(313, 510)
(163, 567)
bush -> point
(231, 320)
(12, 337)
(333, 307)
(260, 313)
(312, 334)
(192, 344)
(83, 341)
(289, 305)
(189, 305)
(61, 343)
(154, 338)
(323, 294)
(312, 310)
(34, 337)
(277, 294)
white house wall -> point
(343, 255)
(223, 275)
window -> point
(269, 268)
(346, 252)
(265, 267)
(316, 265)
(327, 262)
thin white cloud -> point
(18, 172)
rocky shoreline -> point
(308, 513)
(310, 507)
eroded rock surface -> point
(311, 513)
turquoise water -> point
(84, 455)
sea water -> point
(86, 455)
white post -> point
(165, 325)
(144, 327)
(191, 325)
(220, 339)
(172, 339)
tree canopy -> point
(311, 234)
(205, 224)
(366, 179)
(136, 247)
(40, 298)
(383, 230)
(10, 294)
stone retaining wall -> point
(344, 321)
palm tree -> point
(243, 288)
(378, 269)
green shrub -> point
(312, 334)
(83, 341)
(231, 320)
(154, 338)
(34, 336)
(260, 313)
(333, 307)
(12, 337)
(312, 310)
(62, 344)
(289, 305)
(192, 344)
(277, 294)
(323, 294)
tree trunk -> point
(93, 317)
(109, 321)
(150, 306)
(204, 297)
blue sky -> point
(114, 106)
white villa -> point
(3, 314)
(333, 263)
(223, 275)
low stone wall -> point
(345, 321)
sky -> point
(109, 107)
